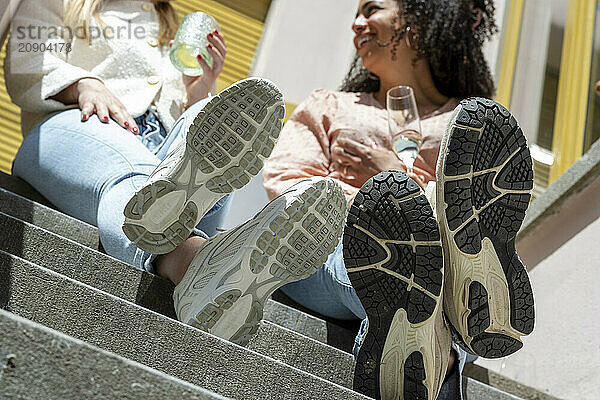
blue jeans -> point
(90, 170)
(329, 292)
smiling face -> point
(373, 30)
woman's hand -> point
(420, 177)
(198, 87)
(94, 98)
(359, 161)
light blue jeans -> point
(329, 292)
(90, 170)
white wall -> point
(306, 45)
(562, 355)
(493, 48)
(530, 69)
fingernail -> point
(126, 123)
(198, 56)
(210, 35)
(210, 46)
(216, 31)
(84, 117)
(134, 130)
(105, 118)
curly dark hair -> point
(446, 39)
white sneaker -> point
(225, 147)
(232, 275)
(484, 178)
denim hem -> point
(148, 264)
(460, 366)
(198, 232)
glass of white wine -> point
(404, 124)
(190, 41)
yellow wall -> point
(10, 124)
(255, 9)
(242, 33)
(573, 86)
(509, 52)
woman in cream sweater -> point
(98, 105)
(107, 141)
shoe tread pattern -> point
(381, 293)
(299, 241)
(414, 375)
(215, 144)
(292, 246)
(500, 211)
(173, 235)
(222, 129)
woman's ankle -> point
(175, 264)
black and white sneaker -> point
(225, 147)
(232, 275)
(484, 179)
(393, 254)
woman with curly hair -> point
(397, 267)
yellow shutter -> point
(573, 86)
(242, 34)
(10, 124)
(255, 9)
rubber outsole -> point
(485, 177)
(225, 148)
(285, 242)
(393, 255)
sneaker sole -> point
(286, 242)
(393, 254)
(225, 147)
(484, 183)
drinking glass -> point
(404, 124)
(190, 40)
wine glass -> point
(404, 124)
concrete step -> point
(503, 383)
(297, 321)
(121, 327)
(22, 188)
(154, 293)
(124, 328)
(49, 219)
(475, 390)
(66, 368)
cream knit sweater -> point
(125, 57)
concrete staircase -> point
(77, 323)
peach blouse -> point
(305, 145)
